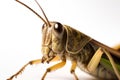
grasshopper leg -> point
(73, 67)
(29, 63)
(92, 65)
(54, 67)
(113, 64)
(37, 61)
(57, 58)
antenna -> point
(43, 13)
(33, 12)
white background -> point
(20, 32)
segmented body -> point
(71, 44)
(84, 56)
(83, 59)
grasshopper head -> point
(53, 35)
(53, 39)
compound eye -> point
(58, 27)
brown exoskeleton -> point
(65, 43)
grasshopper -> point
(61, 42)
